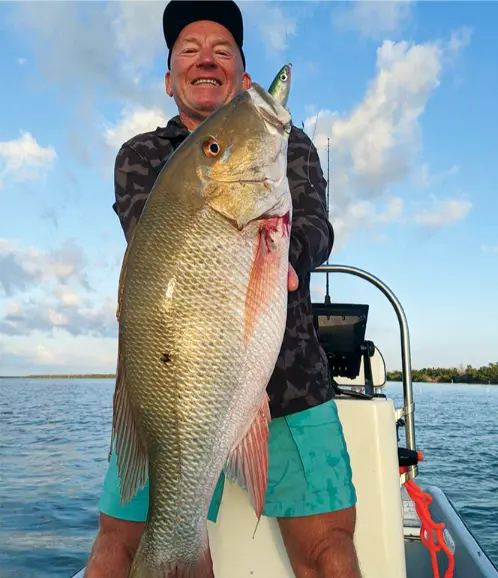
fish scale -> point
(202, 312)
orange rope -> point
(428, 526)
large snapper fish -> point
(202, 313)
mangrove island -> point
(486, 374)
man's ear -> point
(167, 83)
(246, 81)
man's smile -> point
(206, 81)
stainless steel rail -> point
(409, 406)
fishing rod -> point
(327, 292)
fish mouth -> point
(266, 182)
(270, 109)
(281, 209)
(274, 182)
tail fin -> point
(154, 567)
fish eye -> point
(283, 77)
(211, 147)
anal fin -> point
(248, 460)
(131, 452)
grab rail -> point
(409, 406)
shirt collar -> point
(174, 129)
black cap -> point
(181, 13)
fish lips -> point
(269, 109)
(282, 207)
(271, 198)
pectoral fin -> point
(265, 272)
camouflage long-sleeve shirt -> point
(300, 379)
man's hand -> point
(292, 280)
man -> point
(310, 489)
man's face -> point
(206, 70)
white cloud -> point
(74, 46)
(23, 158)
(50, 294)
(374, 19)
(380, 136)
(51, 316)
(116, 59)
(442, 213)
(138, 31)
(489, 249)
(70, 356)
(12, 308)
(317, 293)
(90, 48)
(459, 39)
(37, 353)
(275, 25)
(425, 178)
(393, 212)
(44, 355)
(377, 144)
(68, 297)
(133, 122)
(22, 269)
(365, 216)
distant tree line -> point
(487, 374)
(484, 374)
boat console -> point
(341, 329)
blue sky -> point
(405, 91)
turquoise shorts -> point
(309, 471)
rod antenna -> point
(327, 290)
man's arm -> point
(134, 178)
(114, 548)
(312, 235)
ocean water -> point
(54, 440)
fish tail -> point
(198, 566)
(201, 568)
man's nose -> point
(206, 58)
